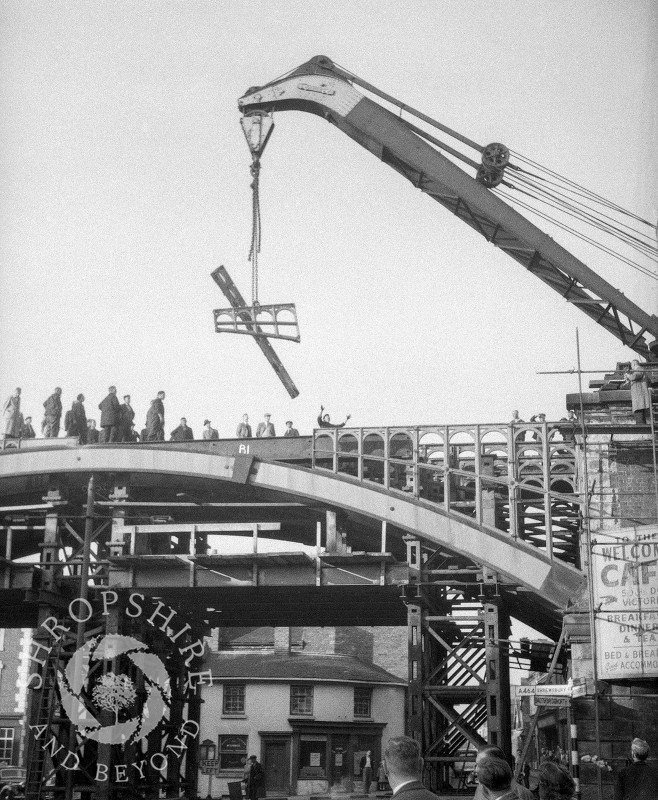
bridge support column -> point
(497, 629)
(414, 643)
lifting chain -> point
(255, 229)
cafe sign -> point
(625, 587)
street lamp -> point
(207, 753)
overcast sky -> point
(125, 182)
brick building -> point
(14, 644)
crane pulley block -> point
(257, 127)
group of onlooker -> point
(117, 421)
(264, 430)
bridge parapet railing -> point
(519, 478)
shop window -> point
(362, 701)
(301, 699)
(6, 745)
(233, 698)
(312, 756)
(232, 752)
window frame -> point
(309, 690)
(7, 742)
(362, 689)
(228, 712)
(242, 753)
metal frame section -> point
(322, 88)
(519, 478)
(459, 695)
(246, 315)
(270, 321)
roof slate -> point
(297, 666)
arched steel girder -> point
(550, 581)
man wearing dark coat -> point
(404, 767)
(324, 420)
(290, 431)
(255, 781)
(127, 416)
(638, 781)
(93, 436)
(244, 428)
(76, 420)
(52, 414)
(110, 409)
(27, 431)
(155, 420)
(183, 433)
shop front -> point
(328, 755)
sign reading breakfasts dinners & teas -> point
(625, 583)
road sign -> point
(209, 766)
(555, 702)
(545, 690)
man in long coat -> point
(52, 414)
(77, 420)
(12, 415)
(255, 781)
(110, 409)
(155, 420)
(127, 415)
(640, 394)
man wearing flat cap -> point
(290, 431)
(265, 430)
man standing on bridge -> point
(325, 422)
(290, 431)
(12, 414)
(155, 420)
(208, 431)
(265, 430)
(183, 433)
(244, 428)
(110, 409)
(126, 417)
(52, 414)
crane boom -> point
(321, 88)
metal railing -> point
(519, 478)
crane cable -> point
(255, 228)
(578, 234)
(582, 212)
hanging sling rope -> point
(262, 322)
(255, 228)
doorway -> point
(276, 763)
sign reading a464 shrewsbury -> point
(625, 583)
